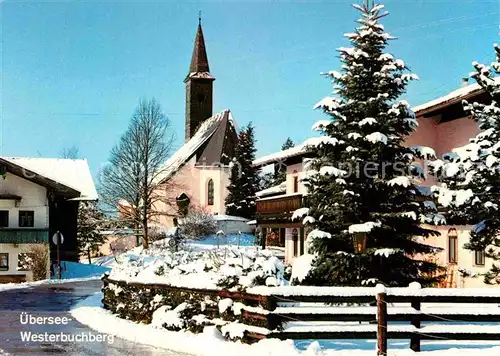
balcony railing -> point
(23, 236)
(279, 206)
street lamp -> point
(359, 242)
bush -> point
(156, 234)
(197, 224)
(35, 259)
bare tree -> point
(72, 152)
(132, 180)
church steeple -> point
(199, 86)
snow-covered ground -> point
(210, 342)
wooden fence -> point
(305, 313)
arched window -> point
(295, 182)
(210, 192)
(452, 246)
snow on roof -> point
(222, 217)
(277, 189)
(73, 173)
(181, 156)
(452, 96)
(280, 156)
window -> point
(452, 246)
(4, 261)
(295, 237)
(302, 241)
(479, 258)
(4, 218)
(210, 192)
(26, 218)
(295, 182)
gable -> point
(70, 178)
(198, 146)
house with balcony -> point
(276, 205)
(443, 125)
(38, 197)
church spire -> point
(199, 86)
(199, 60)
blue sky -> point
(73, 71)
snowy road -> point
(55, 300)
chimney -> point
(464, 82)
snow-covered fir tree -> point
(471, 174)
(362, 179)
(89, 238)
(244, 180)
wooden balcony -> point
(279, 207)
(23, 236)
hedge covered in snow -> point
(230, 267)
(189, 290)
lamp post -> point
(359, 241)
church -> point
(197, 175)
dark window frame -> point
(295, 238)
(210, 192)
(479, 258)
(4, 222)
(295, 182)
(452, 246)
(22, 219)
(4, 268)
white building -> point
(39, 196)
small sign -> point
(54, 238)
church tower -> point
(199, 87)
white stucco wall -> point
(34, 198)
(292, 171)
(193, 181)
(14, 251)
(220, 177)
(466, 258)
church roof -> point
(199, 67)
(213, 142)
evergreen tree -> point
(471, 174)
(89, 238)
(244, 180)
(288, 144)
(361, 179)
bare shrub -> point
(197, 224)
(35, 258)
(156, 234)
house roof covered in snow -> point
(277, 189)
(222, 217)
(456, 96)
(71, 177)
(213, 143)
(280, 156)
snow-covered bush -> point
(233, 267)
(188, 290)
(198, 223)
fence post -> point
(416, 319)
(382, 321)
